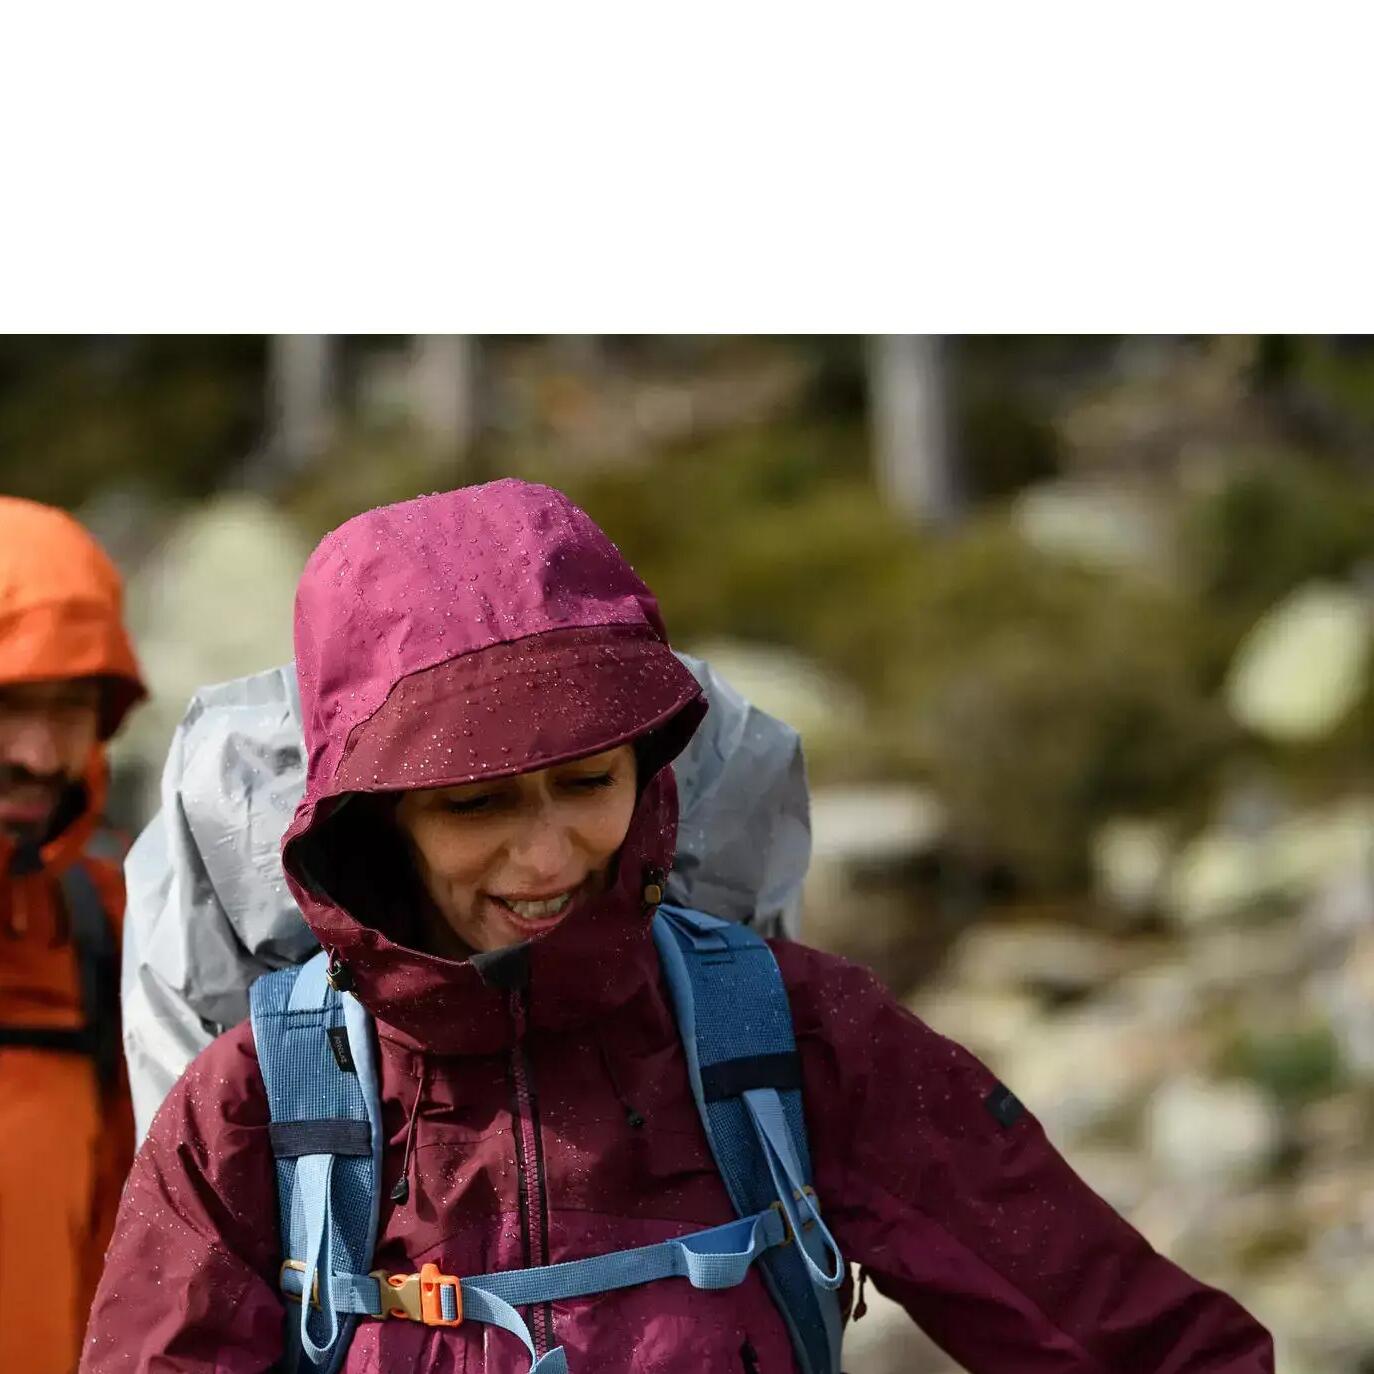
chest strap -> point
(716, 1258)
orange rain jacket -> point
(65, 1143)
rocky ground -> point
(1211, 1075)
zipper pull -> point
(861, 1306)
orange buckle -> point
(788, 1235)
(299, 1266)
(417, 1297)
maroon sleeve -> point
(190, 1275)
(945, 1188)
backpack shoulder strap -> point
(736, 1027)
(97, 961)
(317, 1056)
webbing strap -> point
(736, 1023)
(313, 1176)
(98, 967)
(327, 1140)
(323, 1136)
(716, 1258)
(765, 1110)
(311, 989)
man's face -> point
(47, 732)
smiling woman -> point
(509, 860)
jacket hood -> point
(61, 616)
(61, 607)
(467, 635)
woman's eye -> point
(468, 806)
(591, 782)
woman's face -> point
(507, 860)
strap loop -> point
(765, 1110)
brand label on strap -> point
(343, 1054)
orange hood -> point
(60, 616)
(61, 603)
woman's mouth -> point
(535, 914)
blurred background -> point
(1078, 632)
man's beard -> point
(40, 793)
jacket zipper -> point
(529, 1163)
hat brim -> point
(525, 705)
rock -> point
(1104, 526)
(1302, 668)
(1229, 874)
(1212, 1134)
(1308, 851)
(1308, 1312)
(213, 603)
(1335, 1201)
(1163, 995)
(1086, 1069)
(1114, 1173)
(1339, 929)
(1218, 876)
(1347, 994)
(857, 901)
(1053, 963)
(989, 1023)
(877, 824)
(1231, 960)
(1130, 860)
(825, 711)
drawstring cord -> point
(400, 1193)
(634, 1118)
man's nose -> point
(32, 743)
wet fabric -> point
(65, 1143)
(535, 1103)
(61, 607)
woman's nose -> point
(541, 851)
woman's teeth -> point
(538, 911)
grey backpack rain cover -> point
(209, 910)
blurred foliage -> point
(1268, 525)
(367, 467)
(1034, 695)
(1037, 696)
(169, 414)
(1295, 1064)
(1042, 697)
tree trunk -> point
(915, 466)
(443, 380)
(302, 396)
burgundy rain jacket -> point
(543, 1091)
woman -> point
(490, 709)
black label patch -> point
(343, 1054)
(1004, 1105)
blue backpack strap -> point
(736, 1026)
(316, 1054)
(719, 1257)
